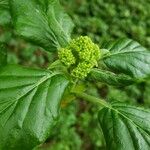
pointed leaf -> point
(110, 77)
(29, 104)
(42, 22)
(125, 127)
(128, 57)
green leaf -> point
(128, 57)
(29, 106)
(42, 22)
(3, 55)
(4, 12)
(125, 127)
(110, 77)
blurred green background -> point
(102, 20)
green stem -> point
(92, 99)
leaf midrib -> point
(121, 53)
(43, 79)
(137, 126)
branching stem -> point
(91, 99)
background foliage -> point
(101, 20)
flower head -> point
(66, 56)
(81, 55)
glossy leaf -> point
(42, 22)
(29, 104)
(128, 57)
(3, 55)
(110, 77)
(125, 127)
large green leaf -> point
(29, 104)
(42, 22)
(110, 77)
(3, 55)
(4, 12)
(125, 127)
(128, 57)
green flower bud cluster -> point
(82, 70)
(66, 56)
(80, 56)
